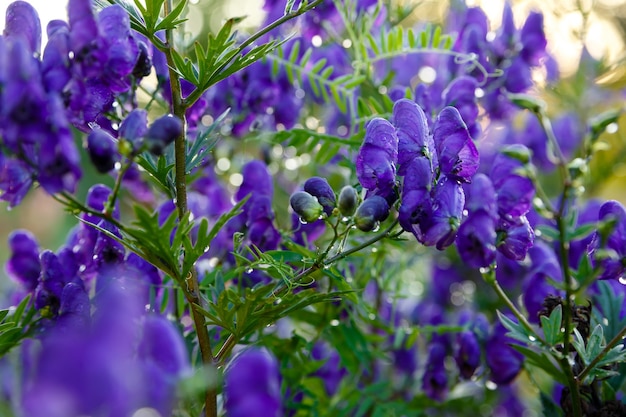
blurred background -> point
(570, 25)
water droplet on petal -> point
(303, 221)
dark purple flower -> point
(413, 136)
(457, 154)
(503, 361)
(15, 180)
(435, 378)
(24, 266)
(102, 149)
(613, 260)
(375, 162)
(533, 39)
(467, 354)
(22, 21)
(461, 94)
(515, 191)
(252, 385)
(516, 237)
(134, 127)
(447, 210)
(416, 206)
(55, 65)
(476, 240)
(162, 132)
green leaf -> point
(170, 21)
(203, 144)
(517, 331)
(582, 231)
(552, 326)
(547, 232)
(543, 361)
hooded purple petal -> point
(458, 156)
(375, 162)
(412, 129)
(22, 21)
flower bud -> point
(102, 150)
(319, 187)
(371, 212)
(162, 132)
(306, 206)
(348, 200)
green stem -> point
(618, 338)
(490, 278)
(110, 205)
(191, 290)
(197, 93)
(282, 287)
(564, 260)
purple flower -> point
(134, 127)
(375, 162)
(102, 149)
(55, 65)
(24, 266)
(458, 156)
(252, 385)
(503, 361)
(467, 354)
(435, 378)
(476, 241)
(515, 192)
(162, 132)
(22, 21)
(447, 210)
(613, 261)
(15, 180)
(413, 135)
(516, 237)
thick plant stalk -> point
(192, 294)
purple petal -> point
(22, 20)
(458, 156)
(376, 159)
(412, 130)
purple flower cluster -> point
(85, 65)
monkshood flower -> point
(252, 385)
(515, 191)
(608, 251)
(118, 362)
(433, 167)
(370, 213)
(536, 286)
(516, 237)
(22, 20)
(23, 265)
(102, 149)
(476, 241)
(377, 158)
(503, 361)
(105, 54)
(515, 52)
(435, 378)
(257, 99)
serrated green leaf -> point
(552, 326)
(171, 21)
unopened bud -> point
(306, 206)
(348, 200)
(371, 212)
(319, 187)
